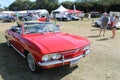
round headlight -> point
(46, 58)
(55, 56)
(86, 47)
(49, 57)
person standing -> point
(115, 21)
(89, 16)
(112, 20)
(35, 15)
(47, 17)
(104, 23)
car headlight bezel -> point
(86, 47)
(49, 57)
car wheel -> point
(31, 62)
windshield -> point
(40, 28)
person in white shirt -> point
(116, 20)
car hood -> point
(55, 42)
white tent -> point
(21, 12)
(41, 11)
(7, 12)
(60, 9)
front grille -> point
(72, 53)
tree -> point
(47, 4)
(87, 4)
(107, 3)
(20, 5)
(67, 4)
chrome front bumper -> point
(62, 61)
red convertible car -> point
(45, 46)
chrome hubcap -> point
(31, 62)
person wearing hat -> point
(104, 23)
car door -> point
(10, 36)
(18, 40)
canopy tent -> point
(60, 9)
(7, 12)
(21, 12)
(42, 11)
(39, 10)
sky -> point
(6, 3)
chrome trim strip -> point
(61, 61)
(18, 51)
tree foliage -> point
(47, 4)
(104, 5)
(21, 5)
(84, 5)
(67, 4)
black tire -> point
(31, 63)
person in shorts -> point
(104, 23)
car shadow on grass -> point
(14, 67)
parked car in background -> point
(64, 18)
(95, 14)
(28, 18)
(98, 22)
(45, 46)
(9, 19)
(76, 18)
(68, 18)
(118, 25)
(1, 18)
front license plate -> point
(74, 62)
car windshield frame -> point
(36, 27)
